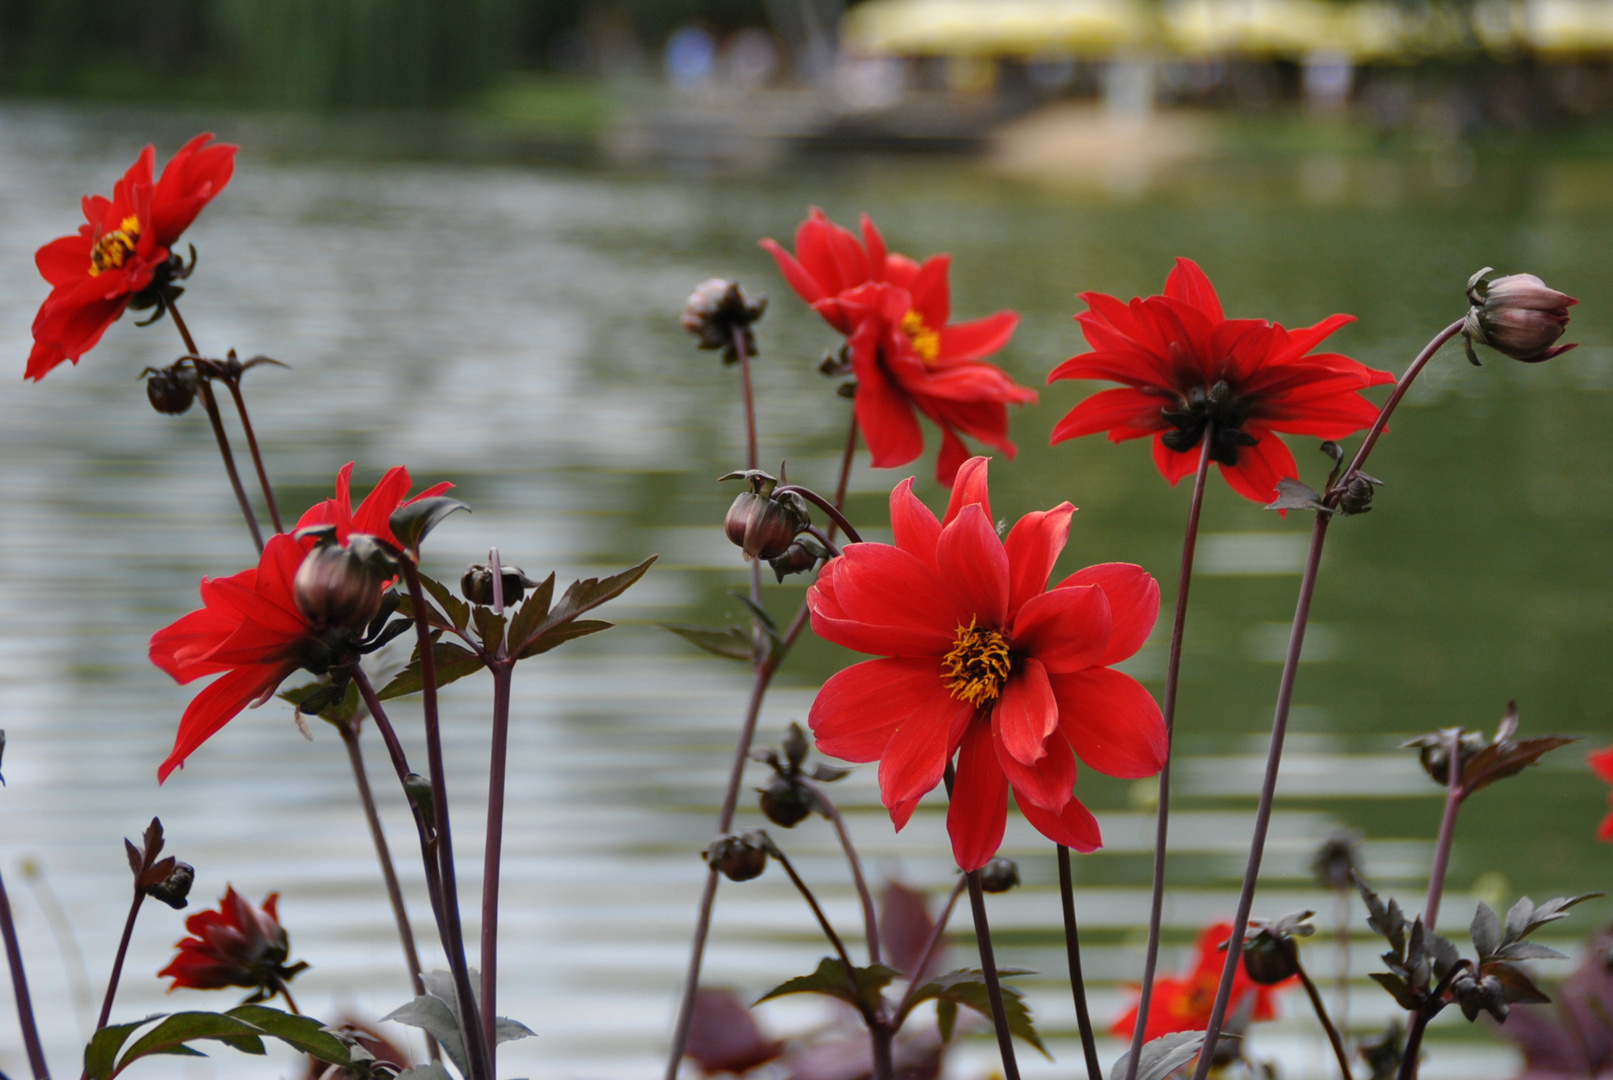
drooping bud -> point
(1518, 316)
(175, 887)
(339, 586)
(785, 802)
(1336, 861)
(788, 797)
(999, 875)
(798, 558)
(718, 312)
(477, 584)
(1270, 953)
(1357, 497)
(740, 857)
(764, 524)
(171, 389)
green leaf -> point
(561, 634)
(581, 596)
(507, 1030)
(170, 1036)
(946, 1018)
(102, 1052)
(413, 522)
(861, 988)
(489, 627)
(302, 1032)
(967, 987)
(761, 614)
(1162, 1056)
(435, 1016)
(456, 610)
(730, 643)
(1293, 495)
(453, 663)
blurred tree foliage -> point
(318, 53)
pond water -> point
(514, 330)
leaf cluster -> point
(437, 1013)
(1483, 761)
(735, 642)
(243, 1028)
(1163, 1056)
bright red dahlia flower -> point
(982, 662)
(1184, 1004)
(258, 626)
(904, 352)
(122, 255)
(1188, 367)
(1601, 764)
(237, 945)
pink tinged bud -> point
(1518, 316)
(337, 587)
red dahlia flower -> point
(982, 662)
(122, 255)
(1602, 765)
(904, 352)
(237, 945)
(1188, 368)
(295, 609)
(1184, 1004)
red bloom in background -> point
(123, 249)
(1184, 1004)
(1187, 367)
(1602, 765)
(255, 628)
(982, 662)
(907, 356)
(237, 945)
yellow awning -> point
(995, 27)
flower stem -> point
(915, 978)
(454, 938)
(737, 336)
(1078, 986)
(234, 383)
(1414, 1046)
(1389, 406)
(832, 812)
(1341, 954)
(1447, 832)
(502, 670)
(1268, 791)
(210, 403)
(812, 902)
(1162, 818)
(1321, 1015)
(389, 873)
(823, 538)
(117, 960)
(844, 480)
(19, 986)
(823, 504)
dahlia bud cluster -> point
(765, 525)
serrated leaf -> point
(1516, 986)
(1162, 1056)
(489, 627)
(968, 987)
(456, 610)
(412, 522)
(860, 988)
(1386, 919)
(730, 643)
(1293, 495)
(1442, 953)
(435, 1016)
(1506, 758)
(171, 1035)
(1485, 931)
(1397, 989)
(1525, 950)
(580, 597)
(571, 631)
(533, 610)
(507, 1030)
(1519, 916)
(453, 663)
(102, 1052)
(301, 1032)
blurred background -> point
(470, 227)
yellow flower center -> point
(926, 342)
(977, 666)
(113, 249)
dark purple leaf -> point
(904, 930)
(724, 1037)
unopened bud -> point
(1435, 750)
(1334, 863)
(173, 889)
(1357, 497)
(718, 312)
(1518, 316)
(798, 558)
(1269, 958)
(171, 390)
(760, 522)
(999, 875)
(739, 857)
(338, 586)
(785, 802)
(477, 584)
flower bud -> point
(999, 875)
(175, 888)
(762, 523)
(337, 586)
(1519, 316)
(1435, 750)
(1334, 863)
(739, 857)
(477, 584)
(738, 518)
(171, 390)
(1357, 497)
(1269, 958)
(717, 312)
(785, 802)
(798, 558)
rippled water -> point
(514, 330)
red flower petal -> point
(951, 458)
(978, 814)
(1046, 780)
(969, 488)
(1033, 546)
(974, 567)
(1133, 605)
(884, 413)
(913, 525)
(217, 705)
(1172, 464)
(1601, 763)
(1026, 713)
(1187, 282)
(1114, 724)
(917, 753)
(1073, 826)
(858, 710)
(932, 297)
(1260, 466)
(879, 599)
(1067, 629)
(978, 338)
(1124, 414)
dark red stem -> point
(19, 986)
(210, 403)
(502, 671)
(234, 383)
(832, 812)
(117, 960)
(1078, 986)
(1333, 1037)
(1447, 832)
